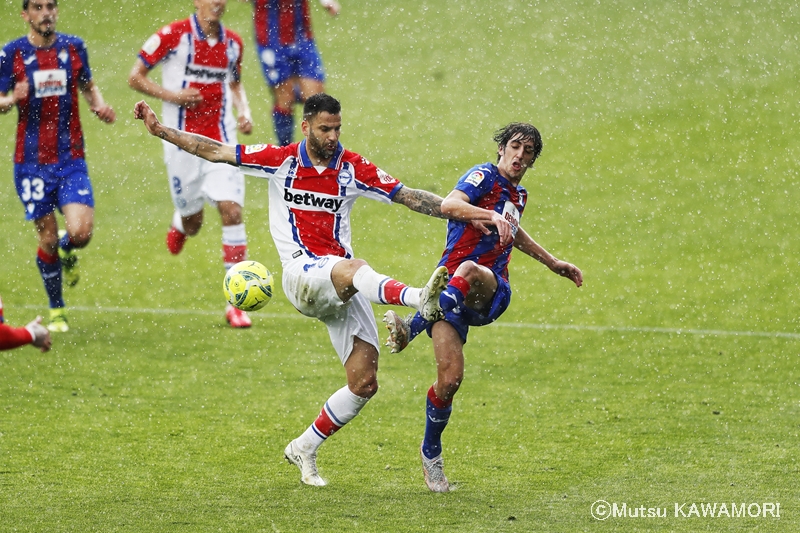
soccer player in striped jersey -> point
(478, 291)
(313, 186)
(290, 60)
(201, 85)
(42, 74)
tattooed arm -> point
(198, 145)
(420, 201)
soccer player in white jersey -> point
(201, 84)
(313, 185)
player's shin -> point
(437, 415)
(50, 270)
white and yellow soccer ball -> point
(248, 285)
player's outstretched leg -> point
(69, 259)
(380, 289)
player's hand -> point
(188, 98)
(570, 271)
(480, 226)
(332, 6)
(21, 90)
(105, 113)
(142, 111)
(245, 125)
(504, 229)
(40, 334)
(502, 226)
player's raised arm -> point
(195, 144)
(527, 245)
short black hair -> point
(319, 103)
(26, 2)
(526, 132)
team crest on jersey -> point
(384, 177)
(475, 178)
(151, 44)
(63, 55)
(50, 83)
(253, 148)
(345, 177)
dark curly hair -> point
(524, 131)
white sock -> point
(177, 222)
(380, 289)
(341, 408)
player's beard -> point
(319, 149)
(48, 31)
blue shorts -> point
(301, 59)
(43, 188)
(462, 317)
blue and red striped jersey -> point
(485, 188)
(49, 124)
(281, 22)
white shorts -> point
(308, 286)
(194, 181)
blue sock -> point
(436, 419)
(51, 276)
(417, 326)
(284, 126)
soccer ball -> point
(248, 285)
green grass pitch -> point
(669, 175)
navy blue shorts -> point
(463, 317)
(43, 188)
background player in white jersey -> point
(201, 84)
(313, 185)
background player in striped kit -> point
(478, 291)
(201, 84)
(289, 58)
(41, 74)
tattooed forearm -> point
(194, 144)
(420, 201)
